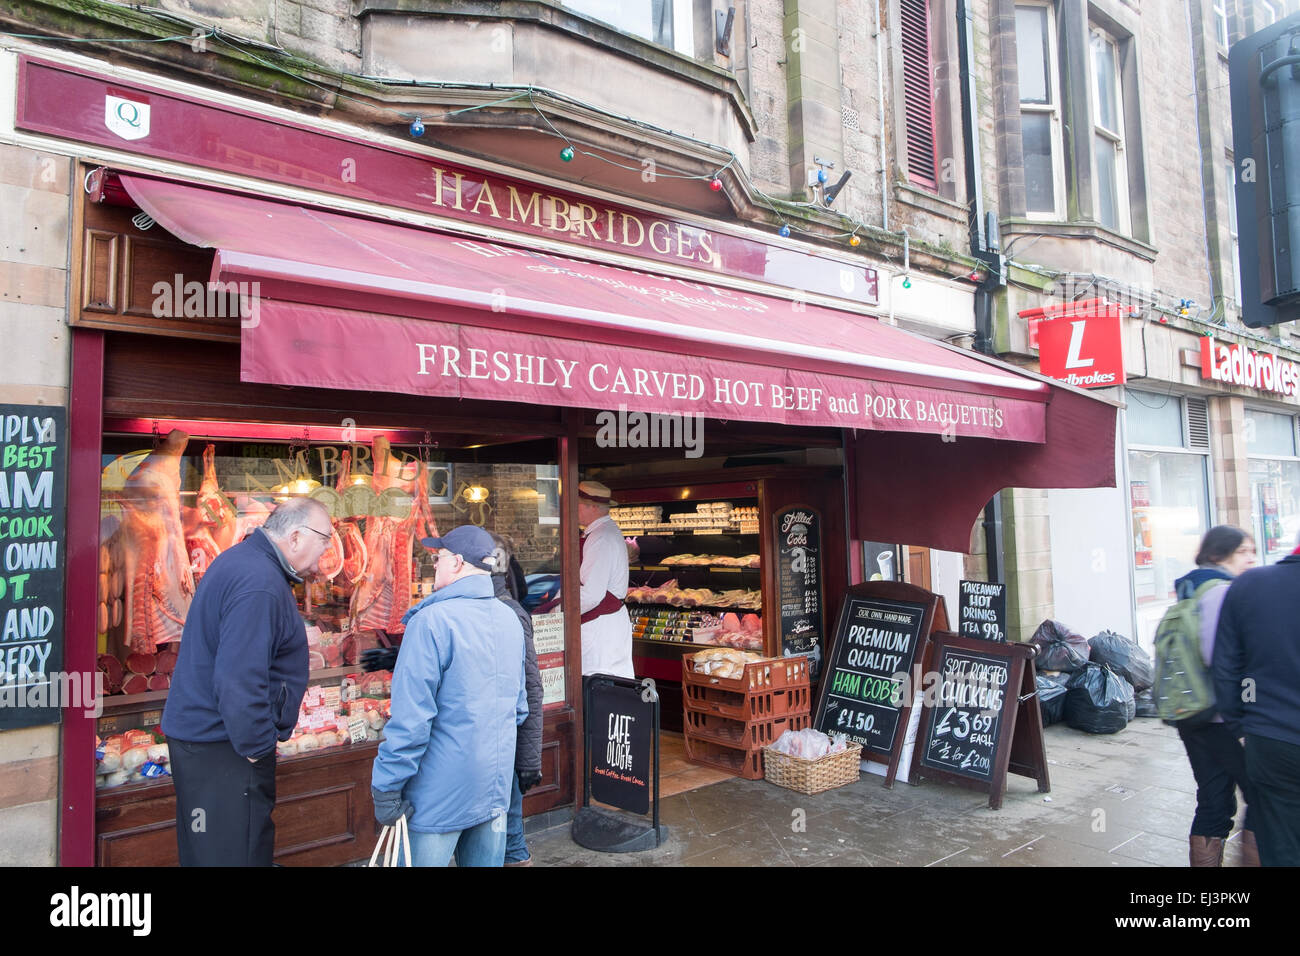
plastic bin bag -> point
(1099, 701)
(1059, 648)
(1125, 658)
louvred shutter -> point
(918, 91)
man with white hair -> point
(239, 680)
(606, 626)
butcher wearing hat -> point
(606, 626)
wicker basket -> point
(813, 776)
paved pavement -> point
(1123, 800)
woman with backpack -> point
(1217, 758)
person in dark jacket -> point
(239, 680)
(1257, 685)
(506, 578)
(1218, 762)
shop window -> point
(1266, 14)
(171, 504)
(918, 91)
(1168, 476)
(1040, 115)
(1274, 469)
(1154, 420)
(665, 22)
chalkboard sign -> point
(799, 582)
(621, 727)
(33, 491)
(981, 716)
(982, 610)
(866, 692)
(969, 698)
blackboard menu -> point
(620, 731)
(982, 611)
(962, 736)
(867, 680)
(799, 582)
(33, 489)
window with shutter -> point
(918, 91)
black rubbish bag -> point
(1059, 648)
(1124, 657)
(1051, 696)
(1145, 704)
(1099, 701)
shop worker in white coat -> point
(606, 627)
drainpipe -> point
(984, 247)
(880, 114)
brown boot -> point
(1249, 849)
(1206, 851)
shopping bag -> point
(393, 842)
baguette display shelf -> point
(728, 722)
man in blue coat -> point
(1257, 689)
(239, 680)
(447, 759)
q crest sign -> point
(127, 118)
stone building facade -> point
(658, 98)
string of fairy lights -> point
(416, 129)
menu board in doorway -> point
(981, 718)
(33, 492)
(868, 689)
(982, 610)
(799, 582)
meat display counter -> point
(750, 558)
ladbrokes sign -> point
(1084, 348)
(1238, 365)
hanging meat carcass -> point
(211, 524)
(252, 515)
(383, 592)
(159, 583)
(216, 512)
(346, 557)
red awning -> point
(353, 303)
(346, 302)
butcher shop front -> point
(246, 329)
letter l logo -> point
(1072, 359)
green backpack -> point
(1183, 688)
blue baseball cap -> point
(469, 541)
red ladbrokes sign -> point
(1238, 365)
(1086, 350)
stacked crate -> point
(727, 722)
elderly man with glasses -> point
(239, 680)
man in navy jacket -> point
(239, 680)
(1257, 687)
